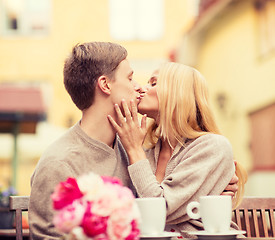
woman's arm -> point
(204, 167)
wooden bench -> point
(17, 204)
(255, 215)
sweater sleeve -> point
(41, 213)
(204, 167)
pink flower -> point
(106, 202)
(124, 194)
(101, 237)
(134, 235)
(112, 180)
(125, 198)
(118, 229)
(95, 208)
(70, 216)
(93, 224)
(65, 193)
(119, 223)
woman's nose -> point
(146, 87)
(143, 89)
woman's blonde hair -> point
(183, 105)
(242, 175)
(184, 111)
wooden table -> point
(211, 238)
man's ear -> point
(103, 83)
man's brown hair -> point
(86, 63)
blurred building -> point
(232, 43)
(37, 35)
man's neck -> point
(96, 125)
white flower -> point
(90, 185)
(77, 233)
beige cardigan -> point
(203, 166)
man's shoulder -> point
(59, 150)
(62, 145)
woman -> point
(187, 157)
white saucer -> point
(223, 235)
(160, 235)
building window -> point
(263, 138)
(136, 19)
(24, 17)
(266, 14)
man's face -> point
(123, 87)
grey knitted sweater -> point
(72, 155)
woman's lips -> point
(140, 96)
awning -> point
(21, 108)
(23, 105)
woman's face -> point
(149, 103)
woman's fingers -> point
(143, 121)
(228, 193)
(113, 122)
(232, 187)
(126, 110)
(119, 114)
(134, 111)
(129, 118)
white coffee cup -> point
(215, 212)
(153, 215)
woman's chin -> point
(141, 109)
(149, 113)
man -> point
(96, 75)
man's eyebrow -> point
(131, 73)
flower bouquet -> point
(95, 207)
